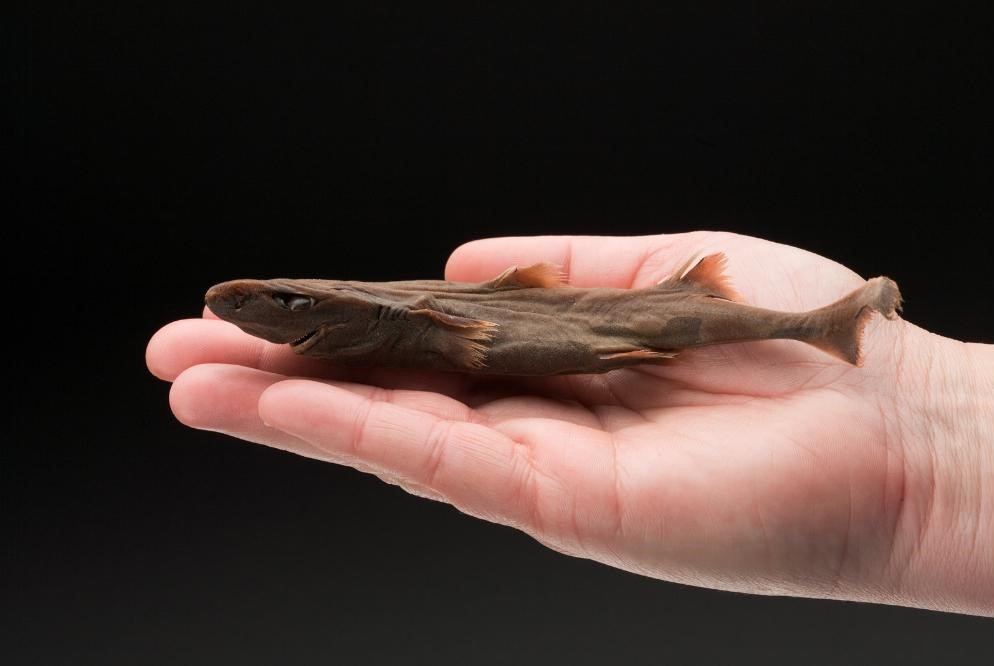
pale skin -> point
(765, 467)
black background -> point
(162, 148)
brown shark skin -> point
(523, 323)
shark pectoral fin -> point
(705, 275)
(464, 324)
(639, 355)
(464, 341)
(536, 275)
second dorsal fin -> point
(536, 275)
(706, 274)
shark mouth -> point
(306, 341)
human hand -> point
(764, 467)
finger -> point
(208, 313)
(429, 402)
(492, 413)
(225, 398)
(189, 342)
(468, 464)
(183, 344)
(587, 261)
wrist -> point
(944, 546)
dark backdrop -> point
(163, 148)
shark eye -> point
(293, 301)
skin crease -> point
(764, 467)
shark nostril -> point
(230, 298)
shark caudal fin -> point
(841, 323)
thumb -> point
(586, 261)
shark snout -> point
(229, 297)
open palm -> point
(763, 467)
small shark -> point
(526, 321)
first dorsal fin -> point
(707, 274)
(536, 275)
